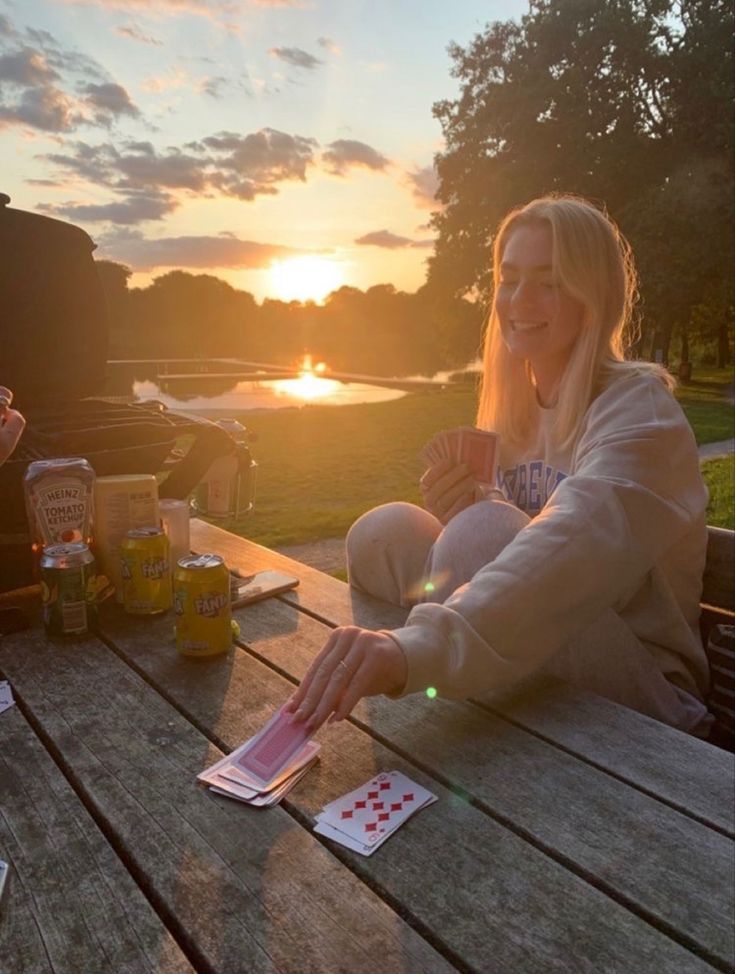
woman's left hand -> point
(354, 663)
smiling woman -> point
(305, 278)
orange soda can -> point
(202, 606)
(146, 571)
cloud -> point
(344, 154)
(295, 57)
(225, 250)
(241, 166)
(137, 208)
(26, 67)
(216, 86)
(298, 4)
(246, 166)
(424, 184)
(45, 108)
(91, 162)
(136, 34)
(205, 8)
(39, 79)
(48, 183)
(176, 78)
(109, 101)
(391, 241)
(6, 27)
(213, 86)
(329, 45)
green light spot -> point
(431, 692)
(429, 587)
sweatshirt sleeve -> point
(634, 490)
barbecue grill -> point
(54, 332)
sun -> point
(305, 278)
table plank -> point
(245, 890)
(317, 593)
(490, 897)
(687, 773)
(683, 875)
(70, 905)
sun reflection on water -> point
(310, 384)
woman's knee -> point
(483, 530)
(393, 523)
(387, 549)
(471, 540)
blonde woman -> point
(590, 565)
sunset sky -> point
(284, 145)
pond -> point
(200, 396)
(214, 396)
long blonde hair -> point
(594, 263)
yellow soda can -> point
(202, 606)
(146, 571)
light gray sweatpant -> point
(400, 553)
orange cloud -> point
(224, 250)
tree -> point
(114, 278)
(617, 100)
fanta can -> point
(146, 571)
(202, 606)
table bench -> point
(570, 834)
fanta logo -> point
(211, 604)
(155, 568)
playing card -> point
(224, 786)
(466, 444)
(436, 449)
(321, 828)
(6, 696)
(235, 774)
(477, 448)
(279, 741)
(267, 754)
(370, 813)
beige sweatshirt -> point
(618, 522)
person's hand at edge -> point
(354, 663)
(12, 425)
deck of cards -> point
(466, 444)
(363, 819)
(267, 766)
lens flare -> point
(431, 692)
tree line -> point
(381, 331)
(627, 102)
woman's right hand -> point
(447, 489)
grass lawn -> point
(320, 467)
(703, 401)
(719, 475)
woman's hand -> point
(12, 425)
(354, 663)
(447, 489)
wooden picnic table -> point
(570, 834)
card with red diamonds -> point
(364, 818)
